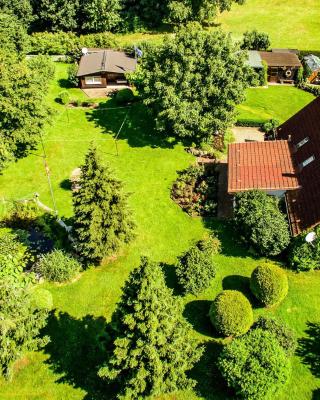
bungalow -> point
(312, 63)
(99, 68)
(283, 64)
(286, 167)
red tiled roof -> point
(304, 204)
(261, 165)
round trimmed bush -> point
(124, 96)
(41, 298)
(64, 97)
(269, 284)
(255, 365)
(231, 313)
(57, 266)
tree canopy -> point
(102, 220)
(192, 83)
(153, 347)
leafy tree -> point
(198, 10)
(192, 83)
(21, 9)
(261, 223)
(153, 346)
(195, 268)
(254, 40)
(55, 15)
(57, 266)
(269, 284)
(102, 221)
(148, 12)
(13, 36)
(20, 324)
(231, 313)
(284, 335)
(98, 15)
(255, 365)
(23, 111)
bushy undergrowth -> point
(305, 256)
(196, 190)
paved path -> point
(244, 134)
(225, 206)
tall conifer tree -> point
(102, 220)
(153, 346)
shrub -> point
(304, 256)
(231, 313)
(284, 335)
(41, 299)
(269, 284)
(315, 90)
(72, 74)
(255, 365)
(124, 96)
(270, 126)
(195, 268)
(64, 97)
(260, 222)
(195, 190)
(57, 266)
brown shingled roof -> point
(106, 61)
(304, 204)
(261, 165)
(278, 59)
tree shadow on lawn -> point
(230, 242)
(76, 351)
(65, 84)
(316, 394)
(138, 129)
(210, 383)
(171, 278)
(66, 184)
(309, 349)
(197, 314)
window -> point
(307, 161)
(93, 80)
(303, 141)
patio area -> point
(97, 93)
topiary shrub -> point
(269, 284)
(260, 222)
(304, 256)
(124, 96)
(284, 335)
(57, 266)
(195, 268)
(231, 313)
(255, 365)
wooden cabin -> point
(283, 65)
(100, 68)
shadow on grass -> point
(172, 279)
(65, 84)
(316, 394)
(309, 349)
(210, 383)
(138, 129)
(76, 351)
(231, 244)
(197, 313)
(66, 184)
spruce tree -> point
(101, 215)
(153, 346)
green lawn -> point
(147, 165)
(292, 24)
(279, 102)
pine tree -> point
(153, 347)
(101, 216)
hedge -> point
(315, 90)
(269, 284)
(231, 313)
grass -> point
(293, 24)
(147, 166)
(278, 102)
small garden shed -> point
(283, 65)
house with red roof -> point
(287, 167)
